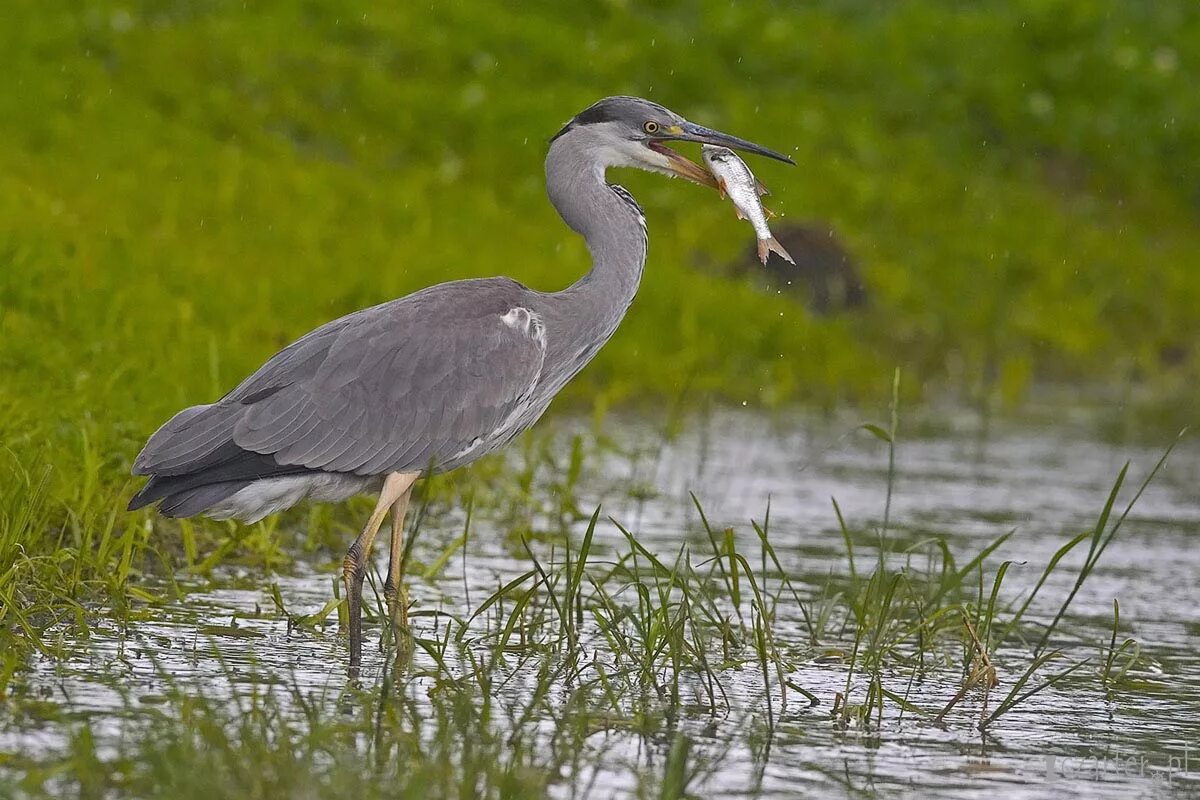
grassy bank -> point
(188, 187)
(184, 188)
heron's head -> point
(632, 132)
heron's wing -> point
(397, 387)
(401, 393)
(198, 436)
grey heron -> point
(432, 381)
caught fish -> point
(736, 180)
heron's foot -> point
(397, 603)
(353, 572)
(401, 634)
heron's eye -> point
(650, 127)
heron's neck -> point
(613, 228)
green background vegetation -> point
(187, 186)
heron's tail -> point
(178, 500)
(772, 245)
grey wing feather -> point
(397, 387)
(186, 438)
(191, 437)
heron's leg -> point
(354, 566)
(393, 587)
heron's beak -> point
(689, 132)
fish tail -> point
(772, 245)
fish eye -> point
(650, 127)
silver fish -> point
(736, 180)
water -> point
(1046, 483)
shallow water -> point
(1047, 483)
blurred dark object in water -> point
(824, 271)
